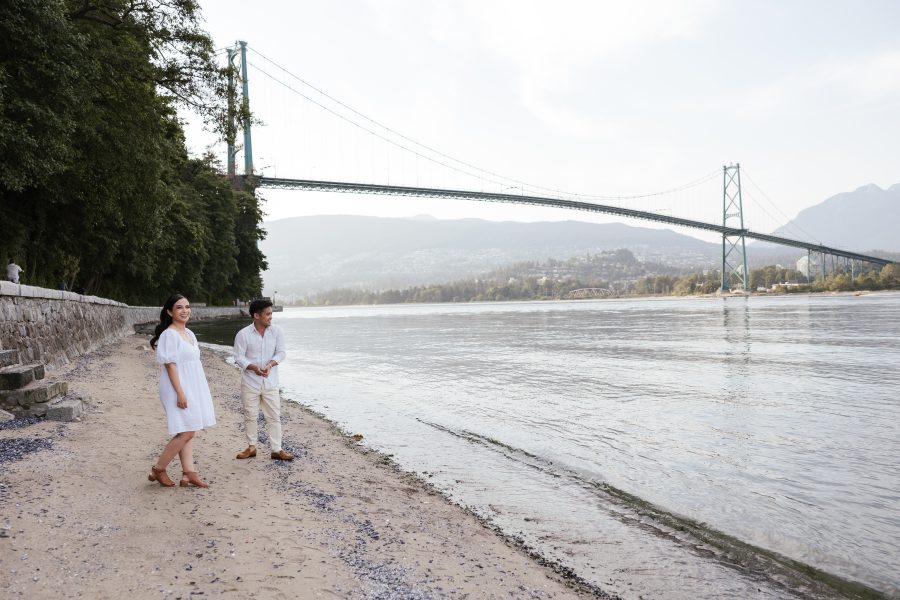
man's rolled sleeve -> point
(279, 346)
(240, 352)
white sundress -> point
(199, 414)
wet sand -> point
(78, 517)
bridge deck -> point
(394, 190)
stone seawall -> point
(55, 327)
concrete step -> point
(33, 399)
(66, 408)
(17, 376)
(9, 357)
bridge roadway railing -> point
(395, 190)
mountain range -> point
(865, 220)
(317, 253)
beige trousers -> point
(270, 402)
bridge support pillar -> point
(231, 126)
(235, 122)
(734, 248)
(248, 138)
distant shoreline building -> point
(803, 266)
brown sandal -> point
(192, 478)
(161, 476)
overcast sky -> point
(605, 98)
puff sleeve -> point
(167, 348)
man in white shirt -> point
(258, 349)
(13, 270)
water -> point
(772, 420)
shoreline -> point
(796, 578)
(745, 558)
(567, 575)
(351, 441)
(340, 521)
(347, 497)
(716, 296)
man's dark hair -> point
(257, 306)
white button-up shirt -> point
(250, 348)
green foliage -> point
(890, 275)
(616, 272)
(843, 280)
(521, 282)
(39, 91)
(96, 187)
(770, 275)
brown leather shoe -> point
(250, 452)
(161, 476)
(282, 455)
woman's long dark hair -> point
(165, 319)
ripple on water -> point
(772, 420)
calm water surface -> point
(773, 420)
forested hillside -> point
(616, 273)
(312, 254)
(97, 190)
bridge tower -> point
(734, 248)
(232, 127)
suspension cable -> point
(554, 191)
(364, 128)
(788, 221)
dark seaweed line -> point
(784, 572)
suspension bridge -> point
(734, 233)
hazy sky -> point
(605, 98)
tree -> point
(890, 275)
(39, 92)
(96, 187)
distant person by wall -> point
(13, 270)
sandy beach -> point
(80, 519)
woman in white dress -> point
(183, 391)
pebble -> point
(19, 423)
(13, 449)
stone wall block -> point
(67, 408)
(36, 395)
(18, 376)
(12, 399)
(38, 410)
(40, 392)
(56, 327)
(8, 358)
